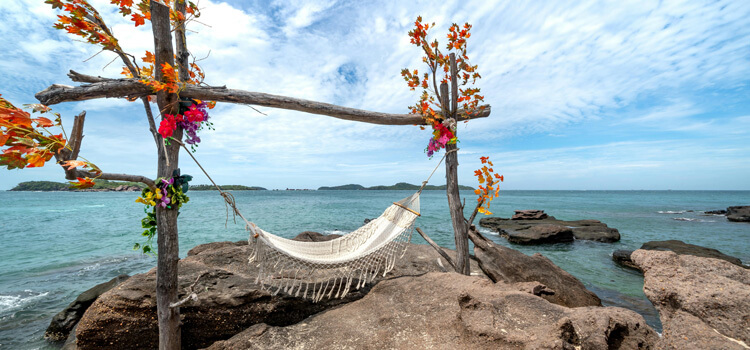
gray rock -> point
(310, 236)
(62, 323)
(622, 258)
(704, 303)
(593, 230)
(683, 248)
(716, 212)
(540, 234)
(229, 301)
(533, 214)
(452, 311)
(739, 214)
(507, 265)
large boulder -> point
(502, 264)
(540, 234)
(452, 311)
(703, 303)
(63, 323)
(622, 257)
(593, 230)
(739, 214)
(229, 301)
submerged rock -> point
(622, 258)
(63, 323)
(739, 214)
(452, 311)
(704, 303)
(502, 264)
(593, 230)
(229, 301)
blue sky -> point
(585, 95)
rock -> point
(739, 214)
(126, 188)
(62, 323)
(683, 248)
(452, 311)
(593, 230)
(507, 265)
(540, 234)
(229, 301)
(622, 258)
(310, 236)
(716, 212)
(704, 303)
(529, 215)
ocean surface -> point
(55, 245)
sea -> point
(55, 245)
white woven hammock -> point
(317, 270)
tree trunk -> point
(451, 177)
(167, 241)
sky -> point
(585, 95)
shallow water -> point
(57, 244)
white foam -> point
(671, 212)
(11, 302)
(693, 220)
(486, 231)
(335, 232)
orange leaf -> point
(44, 122)
(82, 183)
(36, 160)
(477, 191)
(72, 164)
(149, 57)
(484, 159)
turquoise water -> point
(56, 245)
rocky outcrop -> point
(533, 214)
(503, 264)
(704, 303)
(126, 188)
(716, 212)
(229, 301)
(452, 311)
(739, 214)
(63, 323)
(623, 258)
(593, 230)
(540, 234)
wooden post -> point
(167, 240)
(451, 176)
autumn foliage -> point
(489, 185)
(430, 106)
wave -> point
(335, 232)
(671, 212)
(693, 220)
(11, 302)
(486, 231)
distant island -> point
(226, 188)
(118, 186)
(398, 186)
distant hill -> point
(226, 188)
(64, 186)
(398, 186)
(342, 187)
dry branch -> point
(118, 88)
(436, 247)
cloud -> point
(595, 75)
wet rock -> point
(704, 303)
(622, 258)
(593, 230)
(507, 265)
(540, 234)
(739, 214)
(716, 212)
(62, 323)
(452, 311)
(533, 214)
(229, 301)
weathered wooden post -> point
(451, 174)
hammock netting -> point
(317, 270)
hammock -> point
(317, 270)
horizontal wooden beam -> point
(99, 87)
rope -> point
(424, 183)
(228, 197)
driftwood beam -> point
(118, 88)
(436, 247)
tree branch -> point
(118, 88)
(437, 248)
